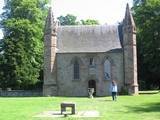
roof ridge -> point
(78, 26)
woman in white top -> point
(114, 90)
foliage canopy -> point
(22, 46)
(147, 17)
(70, 19)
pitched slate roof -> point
(100, 38)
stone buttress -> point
(130, 53)
(50, 43)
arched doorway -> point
(92, 84)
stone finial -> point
(50, 25)
(128, 17)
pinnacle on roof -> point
(128, 17)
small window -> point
(76, 70)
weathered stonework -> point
(65, 44)
(67, 86)
(130, 53)
(50, 42)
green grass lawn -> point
(142, 107)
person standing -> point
(114, 90)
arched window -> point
(107, 70)
(91, 61)
(76, 69)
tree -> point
(147, 17)
(138, 2)
(72, 20)
(89, 22)
(22, 45)
(68, 20)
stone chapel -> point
(80, 57)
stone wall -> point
(67, 86)
(20, 93)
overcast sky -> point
(105, 11)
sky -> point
(105, 11)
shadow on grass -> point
(152, 107)
(104, 100)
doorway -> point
(92, 84)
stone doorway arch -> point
(92, 84)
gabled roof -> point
(78, 39)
